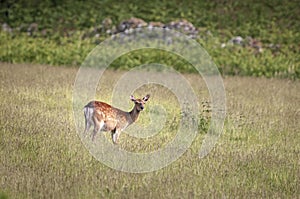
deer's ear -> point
(132, 98)
(146, 97)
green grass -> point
(246, 18)
(41, 154)
(70, 37)
(232, 60)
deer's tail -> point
(88, 114)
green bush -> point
(65, 32)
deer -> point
(105, 117)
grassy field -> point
(41, 155)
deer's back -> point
(113, 117)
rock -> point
(237, 40)
(182, 24)
(255, 43)
(106, 24)
(6, 28)
(32, 28)
(153, 24)
(131, 23)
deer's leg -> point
(88, 125)
(115, 135)
(97, 127)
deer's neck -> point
(134, 114)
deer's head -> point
(140, 103)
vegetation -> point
(42, 156)
(64, 32)
(257, 156)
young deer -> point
(105, 117)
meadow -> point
(255, 45)
(42, 156)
